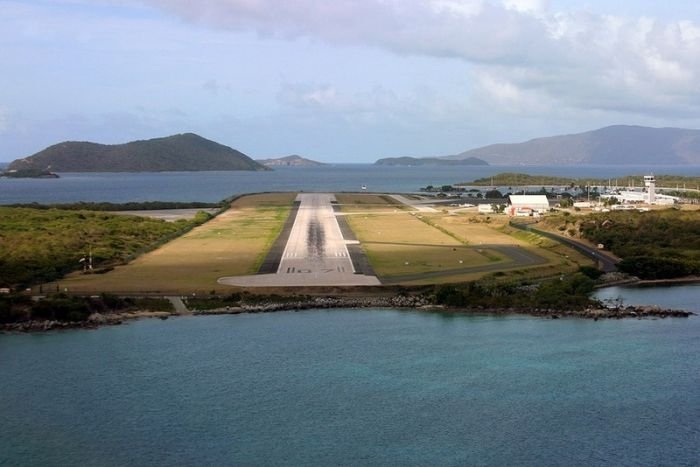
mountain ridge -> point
(611, 145)
(417, 161)
(181, 152)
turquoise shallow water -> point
(679, 297)
(354, 387)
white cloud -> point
(4, 119)
(463, 8)
(572, 58)
(377, 105)
(667, 70)
(532, 6)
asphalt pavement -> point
(316, 252)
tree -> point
(566, 203)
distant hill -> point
(412, 161)
(613, 145)
(184, 152)
(293, 160)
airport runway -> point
(417, 205)
(316, 252)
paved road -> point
(179, 306)
(316, 252)
(606, 261)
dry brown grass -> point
(397, 227)
(399, 243)
(435, 242)
(236, 241)
(475, 229)
(233, 243)
(361, 202)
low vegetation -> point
(653, 245)
(569, 292)
(111, 207)
(232, 244)
(42, 245)
(62, 307)
(519, 179)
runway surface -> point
(316, 252)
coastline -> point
(94, 321)
(636, 282)
(422, 305)
(415, 303)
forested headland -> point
(659, 244)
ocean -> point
(215, 186)
(354, 387)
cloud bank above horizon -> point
(348, 80)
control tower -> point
(650, 184)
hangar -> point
(527, 205)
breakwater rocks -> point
(93, 321)
(423, 303)
(417, 302)
(613, 313)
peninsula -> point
(293, 160)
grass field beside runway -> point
(444, 247)
(403, 246)
(234, 243)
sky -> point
(342, 80)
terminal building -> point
(646, 196)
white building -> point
(639, 197)
(485, 209)
(527, 205)
(648, 196)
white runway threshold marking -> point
(316, 252)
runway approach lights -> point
(87, 262)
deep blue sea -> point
(354, 387)
(215, 186)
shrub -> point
(591, 272)
(61, 308)
(654, 267)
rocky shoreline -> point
(94, 321)
(423, 304)
(418, 303)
